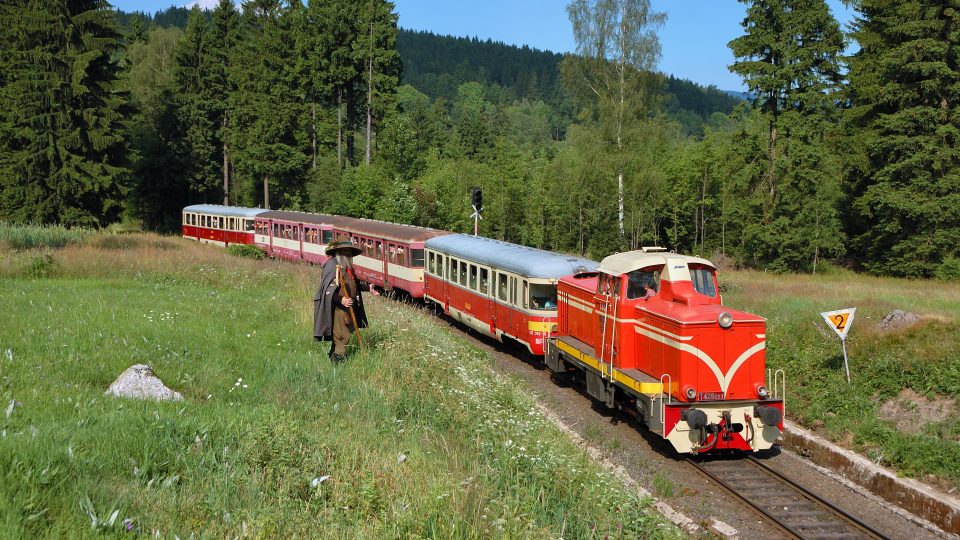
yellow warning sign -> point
(840, 320)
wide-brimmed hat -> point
(342, 245)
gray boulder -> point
(898, 320)
(139, 382)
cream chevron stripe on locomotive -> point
(722, 378)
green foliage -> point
(949, 269)
(63, 153)
(40, 236)
(905, 126)
(41, 265)
(246, 251)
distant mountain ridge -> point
(438, 64)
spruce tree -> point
(224, 36)
(62, 147)
(197, 109)
(905, 116)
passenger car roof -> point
(523, 260)
(219, 209)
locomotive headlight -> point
(690, 392)
(725, 320)
(762, 391)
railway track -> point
(792, 508)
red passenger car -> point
(219, 225)
(297, 236)
(503, 290)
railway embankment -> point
(413, 437)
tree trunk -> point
(313, 129)
(266, 192)
(369, 93)
(339, 128)
(226, 171)
(351, 123)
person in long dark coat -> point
(331, 309)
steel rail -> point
(802, 493)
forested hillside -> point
(330, 107)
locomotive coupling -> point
(694, 418)
(770, 416)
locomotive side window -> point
(502, 287)
(543, 296)
(463, 273)
(452, 275)
(249, 225)
(441, 269)
(643, 283)
(526, 294)
(703, 281)
(431, 263)
(473, 276)
(513, 290)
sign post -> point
(841, 320)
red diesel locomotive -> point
(649, 333)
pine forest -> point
(830, 159)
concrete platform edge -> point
(937, 507)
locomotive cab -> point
(649, 328)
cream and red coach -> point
(296, 236)
(219, 225)
(649, 329)
(503, 290)
(392, 255)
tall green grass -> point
(925, 358)
(40, 236)
(415, 437)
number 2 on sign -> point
(840, 319)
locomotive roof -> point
(628, 261)
(527, 261)
(219, 209)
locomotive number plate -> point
(711, 396)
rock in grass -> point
(898, 320)
(139, 382)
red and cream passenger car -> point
(392, 255)
(219, 225)
(503, 290)
(651, 327)
(297, 236)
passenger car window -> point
(416, 258)
(463, 273)
(473, 276)
(502, 288)
(643, 283)
(433, 263)
(703, 281)
(543, 296)
(484, 280)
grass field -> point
(415, 438)
(924, 358)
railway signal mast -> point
(477, 202)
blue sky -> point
(694, 39)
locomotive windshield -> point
(643, 283)
(703, 281)
(543, 296)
